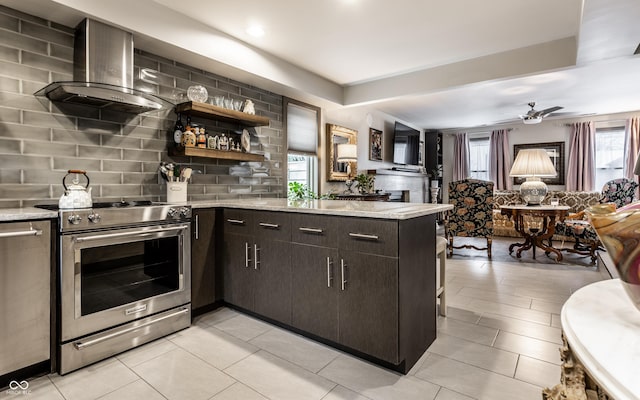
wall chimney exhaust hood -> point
(103, 73)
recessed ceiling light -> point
(255, 31)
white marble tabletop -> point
(602, 327)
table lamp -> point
(348, 153)
(533, 164)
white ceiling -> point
(434, 64)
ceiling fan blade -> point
(549, 110)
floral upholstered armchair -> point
(472, 213)
(617, 191)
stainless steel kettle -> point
(75, 195)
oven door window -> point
(124, 273)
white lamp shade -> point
(533, 163)
(347, 153)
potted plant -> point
(365, 183)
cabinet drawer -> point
(272, 225)
(373, 236)
(238, 221)
(317, 230)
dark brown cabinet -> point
(366, 285)
(203, 259)
(314, 292)
(257, 262)
(368, 304)
(345, 282)
(238, 258)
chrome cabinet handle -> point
(270, 226)
(86, 343)
(135, 234)
(247, 260)
(310, 230)
(329, 277)
(363, 236)
(256, 259)
(342, 268)
(32, 232)
(235, 221)
(197, 227)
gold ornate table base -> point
(575, 382)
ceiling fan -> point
(535, 117)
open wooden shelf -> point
(210, 153)
(222, 114)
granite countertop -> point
(369, 209)
(21, 214)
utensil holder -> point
(176, 192)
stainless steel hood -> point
(103, 72)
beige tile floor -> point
(499, 341)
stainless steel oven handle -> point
(82, 345)
(139, 233)
(32, 232)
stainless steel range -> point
(124, 278)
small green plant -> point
(365, 183)
(300, 191)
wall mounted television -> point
(406, 145)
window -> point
(479, 158)
(609, 154)
(302, 127)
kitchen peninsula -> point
(359, 276)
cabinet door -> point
(272, 280)
(203, 277)
(238, 270)
(314, 290)
(368, 304)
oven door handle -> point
(140, 233)
(82, 344)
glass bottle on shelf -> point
(223, 143)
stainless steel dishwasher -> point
(25, 276)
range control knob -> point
(74, 219)
(185, 212)
(95, 218)
(172, 212)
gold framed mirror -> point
(337, 171)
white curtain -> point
(499, 161)
(461, 157)
(581, 171)
(631, 147)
